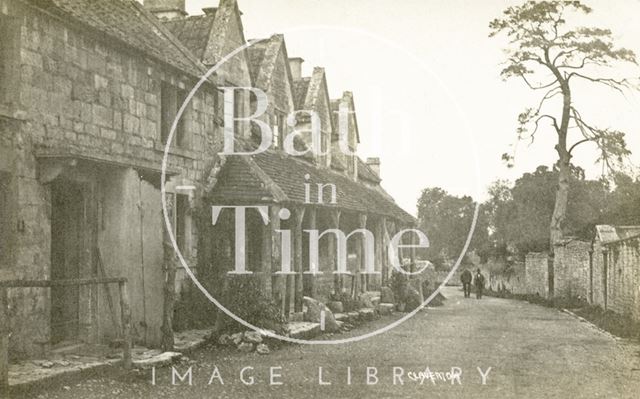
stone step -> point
(386, 308)
(341, 316)
(303, 329)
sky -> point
(425, 77)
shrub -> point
(242, 296)
(348, 304)
(398, 285)
(192, 310)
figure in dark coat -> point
(479, 283)
(466, 278)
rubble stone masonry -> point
(571, 270)
(78, 95)
(623, 277)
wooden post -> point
(266, 258)
(385, 252)
(4, 343)
(312, 277)
(379, 253)
(125, 314)
(337, 279)
(362, 219)
(278, 283)
(412, 252)
(169, 298)
(297, 238)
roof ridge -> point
(167, 33)
(270, 185)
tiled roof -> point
(337, 164)
(256, 56)
(347, 97)
(627, 231)
(300, 89)
(193, 31)
(606, 233)
(263, 59)
(365, 172)
(206, 35)
(128, 22)
(276, 177)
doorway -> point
(68, 219)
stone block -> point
(386, 308)
(102, 116)
(367, 314)
(253, 337)
(336, 306)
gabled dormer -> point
(212, 37)
(346, 158)
(270, 72)
(312, 94)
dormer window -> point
(171, 99)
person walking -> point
(466, 278)
(479, 283)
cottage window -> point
(9, 53)
(171, 99)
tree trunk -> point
(562, 198)
(564, 166)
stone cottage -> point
(276, 179)
(89, 91)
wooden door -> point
(67, 251)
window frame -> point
(171, 99)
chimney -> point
(374, 165)
(166, 9)
(296, 67)
(210, 10)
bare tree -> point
(550, 56)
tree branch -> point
(612, 83)
(537, 87)
(537, 121)
(578, 143)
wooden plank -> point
(59, 283)
(125, 313)
(297, 244)
(168, 341)
(4, 344)
(103, 274)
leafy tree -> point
(446, 220)
(520, 217)
(623, 204)
(542, 44)
(498, 211)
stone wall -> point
(606, 275)
(623, 277)
(537, 274)
(510, 279)
(598, 294)
(572, 270)
(84, 106)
